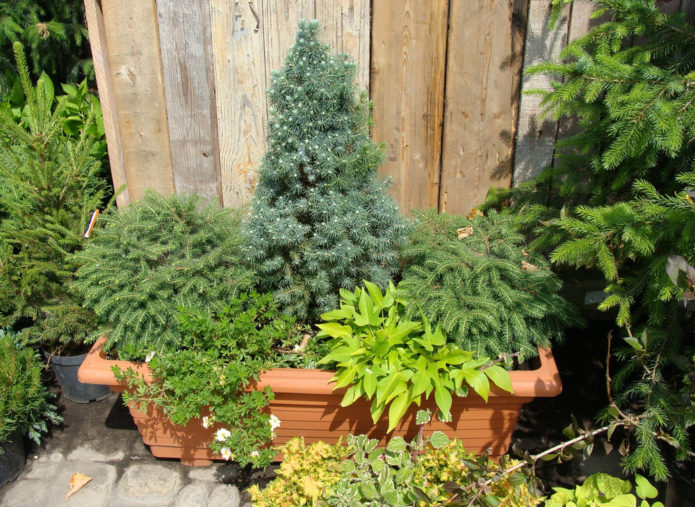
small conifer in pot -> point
(320, 218)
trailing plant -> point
(433, 471)
(152, 257)
(475, 277)
(320, 220)
(54, 33)
(24, 400)
(205, 377)
(604, 489)
(49, 186)
(387, 358)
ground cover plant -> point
(320, 219)
(50, 184)
(618, 198)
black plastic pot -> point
(65, 368)
(12, 457)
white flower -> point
(274, 422)
(298, 348)
(255, 454)
(222, 435)
(226, 453)
(206, 422)
(149, 357)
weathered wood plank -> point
(102, 71)
(238, 51)
(345, 25)
(536, 137)
(136, 69)
(407, 85)
(482, 92)
(187, 90)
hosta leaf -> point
(500, 377)
(397, 409)
(478, 381)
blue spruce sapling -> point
(320, 219)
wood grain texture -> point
(102, 71)
(407, 87)
(136, 70)
(238, 50)
(482, 91)
(535, 136)
(345, 26)
(191, 114)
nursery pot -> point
(308, 407)
(12, 457)
(65, 369)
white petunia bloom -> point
(222, 434)
(226, 453)
(274, 422)
(206, 422)
(149, 357)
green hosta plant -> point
(389, 359)
(604, 489)
(206, 376)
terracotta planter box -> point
(307, 406)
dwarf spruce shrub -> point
(320, 218)
(154, 256)
(476, 279)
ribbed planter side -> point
(307, 406)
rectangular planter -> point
(308, 407)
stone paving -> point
(99, 440)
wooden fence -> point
(183, 83)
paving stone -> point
(86, 453)
(51, 489)
(224, 495)
(148, 485)
(52, 457)
(193, 495)
(40, 470)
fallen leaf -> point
(527, 266)
(464, 232)
(77, 481)
(475, 212)
(524, 253)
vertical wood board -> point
(136, 70)
(482, 91)
(345, 26)
(535, 136)
(187, 86)
(102, 71)
(407, 88)
(238, 53)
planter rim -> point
(543, 381)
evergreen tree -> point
(320, 219)
(49, 186)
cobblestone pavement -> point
(99, 440)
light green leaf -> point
(351, 395)
(335, 330)
(369, 384)
(439, 439)
(422, 417)
(397, 444)
(443, 398)
(375, 292)
(643, 488)
(397, 410)
(478, 381)
(500, 377)
(343, 313)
